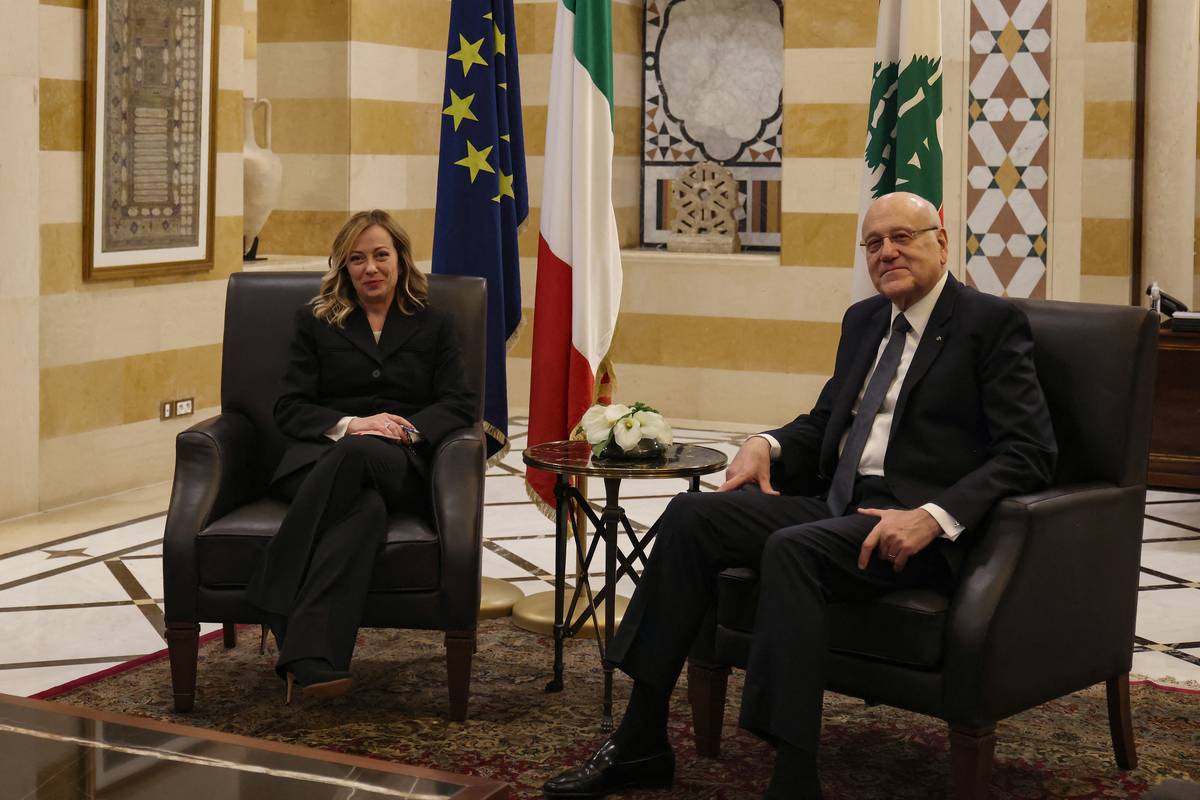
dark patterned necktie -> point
(842, 487)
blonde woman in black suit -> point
(374, 381)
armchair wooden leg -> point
(460, 646)
(229, 635)
(183, 646)
(706, 693)
(1120, 723)
(971, 751)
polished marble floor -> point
(82, 591)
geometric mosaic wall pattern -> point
(713, 91)
(1008, 147)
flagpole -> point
(903, 150)
(578, 291)
(482, 199)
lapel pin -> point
(938, 339)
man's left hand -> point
(899, 535)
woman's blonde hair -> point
(337, 298)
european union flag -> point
(481, 191)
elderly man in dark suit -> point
(933, 414)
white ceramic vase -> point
(262, 175)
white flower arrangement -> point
(627, 427)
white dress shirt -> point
(875, 448)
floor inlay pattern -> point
(89, 601)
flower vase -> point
(262, 178)
(645, 449)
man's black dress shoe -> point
(611, 770)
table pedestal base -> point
(535, 613)
(497, 598)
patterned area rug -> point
(517, 733)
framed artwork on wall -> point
(149, 138)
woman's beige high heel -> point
(321, 682)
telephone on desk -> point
(1178, 316)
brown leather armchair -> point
(219, 519)
(1048, 594)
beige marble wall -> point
(825, 123)
(250, 48)
(303, 62)
(1105, 196)
(696, 330)
(104, 353)
(1066, 132)
(397, 61)
(357, 88)
(693, 331)
(738, 298)
(19, 279)
(1169, 219)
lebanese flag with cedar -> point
(904, 115)
(579, 258)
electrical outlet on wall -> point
(166, 409)
(184, 407)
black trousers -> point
(316, 570)
(805, 560)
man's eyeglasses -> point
(900, 238)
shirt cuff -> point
(339, 430)
(949, 525)
(776, 450)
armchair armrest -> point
(1047, 600)
(456, 489)
(215, 471)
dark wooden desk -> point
(1175, 435)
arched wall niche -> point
(713, 74)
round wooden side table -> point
(572, 459)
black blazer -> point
(971, 424)
(415, 371)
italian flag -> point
(579, 260)
(904, 116)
